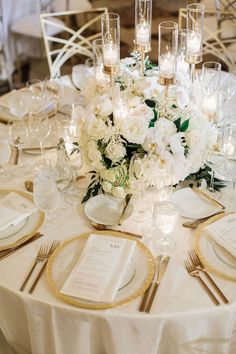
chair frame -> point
(70, 47)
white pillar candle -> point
(110, 54)
(209, 104)
(142, 33)
(193, 43)
(167, 65)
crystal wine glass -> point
(5, 154)
(18, 135)
(229, 149)
(138, 180)
(53, 89)
(164, 219)
(19, 102)
(40, 129)
(45, 193)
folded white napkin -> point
(223, 232)
(98, 274)
(13, 209)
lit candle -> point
(110, 54)
(193, 43)
(209, 104)
(167, 65)
(142, 33)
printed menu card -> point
(99, 271)
(13, 209)
(223, 232)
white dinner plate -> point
(212, 255)
(136, 280)
(14, 235)
(104, 209)
(192, 205)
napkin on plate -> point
(223, 232)
(13, 209)
(98, 273)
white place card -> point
(13, 209)
(223, 232)
(98, 274)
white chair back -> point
(61, 48)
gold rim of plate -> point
(100, 306)
(35, 228)
(204, 260)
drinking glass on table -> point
(138, 182)
(164, 219)
(45, 193)
(227, 91)
(19, 102)
(53, 90)
(229, 149)
(40, 129)
(18, 135)
(5, 154)
(36, 89)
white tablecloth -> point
(183, 319)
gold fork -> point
(54, 245)
(41, 256)
(195, 273)
(198, 265)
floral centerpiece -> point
(173, 135)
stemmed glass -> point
(40, 128)
(18, 135)
(5, 154)
(229, 149)
(36, 89)
(45, 193)
(53, 89)
(19, 102)
(164, 219)
(138, 181)
(227, 91)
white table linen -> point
(183, 319)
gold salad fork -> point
(199, 266)
(41, 256)
(196, 273)
(54, 245)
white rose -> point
(165, 127)
(108, 175)
(97, 129)
(94, 154)
(118, 192)
(135, 129)
(106, 106)
(107, 187)
(115, 151)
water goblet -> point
(18, 135)
(5, 154)
(40, 129)
(53, 89)
(19, 102)
(138, 172)
(45, 194)
(164, 219)
(36, 89)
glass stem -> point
(41, 148)
(21, 155)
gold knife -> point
(147, 292)
(208, 197)
(127, 199)
(161, 272)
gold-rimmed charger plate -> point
(15, 235)
(67, 255)
(213, 256)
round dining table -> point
(182, 320)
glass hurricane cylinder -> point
(143, 18)
(195, 22)
(110, 23)
(182, 64)
(100, 77)
(210, 87)
(167, 49)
